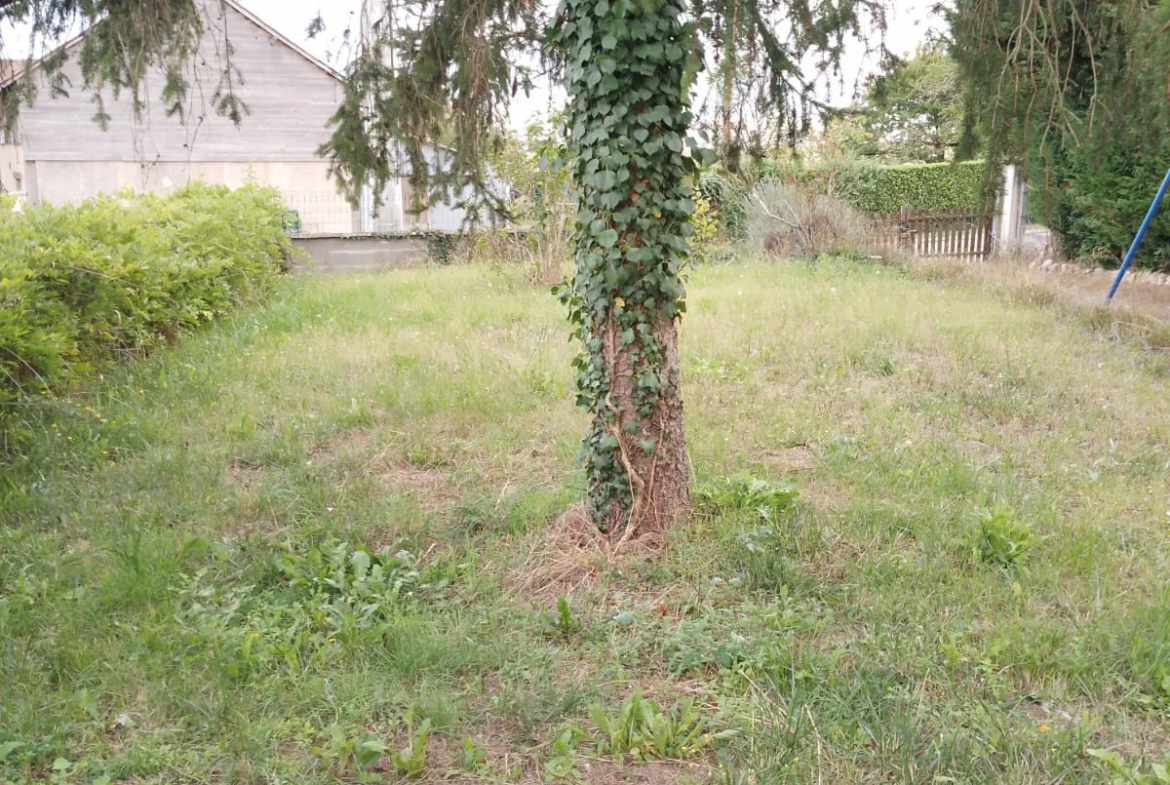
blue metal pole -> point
(1137, 240)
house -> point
(58, 153)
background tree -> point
(911, 112)
(1080, 90)
(914, 111)
(540, 199)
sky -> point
(909, 25)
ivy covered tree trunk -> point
(626, 75)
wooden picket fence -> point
(951, 233)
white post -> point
(366, 202)
(1007, 218)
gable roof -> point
(277, 36)
(12, 70)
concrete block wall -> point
(11, 169)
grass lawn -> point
(299, 544)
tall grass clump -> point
(117, 276)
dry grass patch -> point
(432, 487)
(657, 772)
(243, 475)
(571, 554)
(566, 556)
(1140, 310)
(791, 459)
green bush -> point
(728, 200)
(118, 276)
(1102, 199)
(871, 188)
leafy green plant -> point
(332, 594)
(1162, 681)
(7, 748)
(1125, 772)
(728, 200)
(368, 749)
(355, 754)
(561, 622)
(562, 764)
(1001, 540)
(703, 242)
(411, 760)
(336, 570)
(646, 731)
(473, 759)
(753, 496)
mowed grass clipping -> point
(300, 548)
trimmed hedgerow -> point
(885, 189)
(120, 275)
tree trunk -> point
(659, 479)
(627, 122)
(731, 27)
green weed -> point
(1126, 772)
(1002, 540)
(645, 730)
(354, 754)
(561, 623)
(411, 760)
(745, 496)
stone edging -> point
(1137, 276)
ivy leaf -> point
(609, 42)
(608, 238)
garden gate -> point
(958, 234)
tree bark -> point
(731, 27)
(660, 479)
(627, 121)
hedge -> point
(871, 188)
(1102, 199)
(120, 275)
